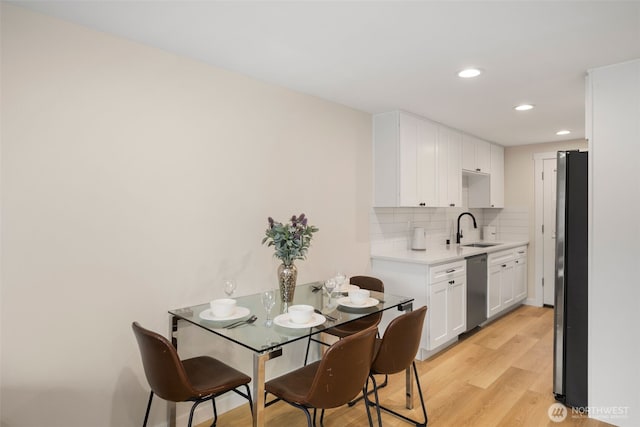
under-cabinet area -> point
(438, 279)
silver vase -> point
(287, 276)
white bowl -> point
(301, 313)
(359, 296)
(223, 307)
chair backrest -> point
(367, 282)
(162, 366)
(343, 370)
(400, 343)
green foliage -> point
(291, 240)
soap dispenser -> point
(419, 239)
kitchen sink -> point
(480, 245)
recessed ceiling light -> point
(563, 132)
(524, 107)
(469, 73)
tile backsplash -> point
(392, 228)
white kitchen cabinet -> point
(448, 297)
(449, 157)
(520, 290)
(486, 190)
(442, 288)
(507, 279)
(496, 196)
(476, 154)
(405, 165)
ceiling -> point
(382, 55)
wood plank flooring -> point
(500, 375)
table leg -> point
(259, 361)
(171, 406)
(408, 382)
(409, 389)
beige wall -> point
(519, 187)
(133, 181)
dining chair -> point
(396, 352)
(197, 380)
(332, 381)
(341, 331)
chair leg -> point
(306, 354)
(249, 399)
(365, 392)
(215, 413)
(146, 415)
(358, 399)
(424, 409)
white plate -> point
(283, 320)
(238, 313)
(346, 301)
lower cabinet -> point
(448, 298)
(520, 274)
(507, 281)
(442, 288)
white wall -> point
(614, 293)
(133, 181)
(519, 190)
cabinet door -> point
(454, 172)
(427, 170)
(506, 283)
(409, 131)
(483, 156)
(520, 281)
(468, 152)
(494, 303)
(438, 314)
(457, 302)
(497, 177)
(449, 167)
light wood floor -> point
(500, 375)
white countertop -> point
(442, 254)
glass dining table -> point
(281, 331)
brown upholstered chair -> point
(396, 352)
(192, 380)
(341, 331)
(333, 380)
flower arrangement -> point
(290, 240)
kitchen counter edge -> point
(441, 255)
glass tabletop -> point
(260, 337)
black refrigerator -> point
(571, 280)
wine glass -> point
(268, 301)
(230, 286)
(330, 285)
(340, 278)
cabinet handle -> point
(493, 206)
(450, 271)
(477, 169)
(452, 204)
(517, 262)
(451, 282)
(504, 265)
(422, 204)
(520, 252)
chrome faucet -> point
(459, 232)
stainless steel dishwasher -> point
(476, 290)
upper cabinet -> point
(405, 165)
(476, 154)
(449, 167)
(418, 162)
(496, 198)
(487, 190)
